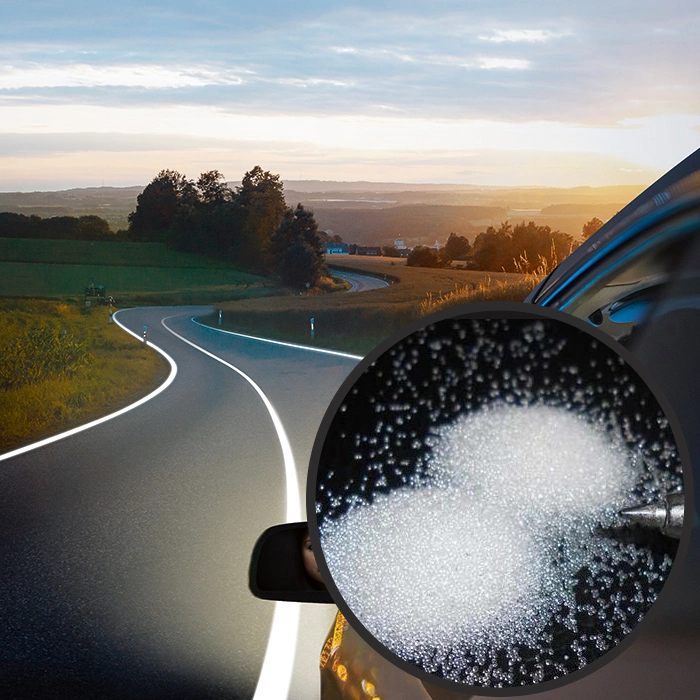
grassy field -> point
(82, 377)
(101, 253)
(71, 389)
(133, 273)
(358, 321)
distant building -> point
(337, 249)
(399, 244)
(368, 250)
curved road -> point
(124, 548)
(360, 283)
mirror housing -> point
(277, 569)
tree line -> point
(86, 228)
(525, 247)
(250, 225)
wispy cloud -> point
(270, 69)
(460, 61)
(375, 53)
(86, 75)
(593, 63)
(312, 82)
(530, 36)
(508, 63)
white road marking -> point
(280, 342)
(344, 276)
(276, 673)
(293, 502)
(98, 421)
(347, 275)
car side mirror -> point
(277, 569)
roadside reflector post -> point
(111, 313)
(312, 328)
(220, 312)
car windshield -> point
(618, 294)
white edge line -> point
(278, 665)
(275, 677)
(386, 283)
(92, 424)
(293, 502)
(280, 342)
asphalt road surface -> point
(361, 283)
(124, 548)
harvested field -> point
(358, 321)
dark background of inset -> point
(368, 451)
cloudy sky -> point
(487, 92)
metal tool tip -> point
(649, 514)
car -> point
(638, 280)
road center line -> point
(276, 673)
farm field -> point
(133, 273)
(100, 253)
(357, 322)
(353, 322)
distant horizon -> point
(370, 183)
(496, 94)
(557, 176)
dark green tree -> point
(422, 256)
(261, 198)
(213, 231)
(212, 189)
(524, 248)
(329, 237)
(591, 227)
(492, 248)
(158, 205)
(298, 231)
(94, 228)
(297, 224)
(534, 246)
(86, 228)
(457, 247)
(300, 265)
(391, 251)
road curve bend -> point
(125, 545)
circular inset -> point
(467, 484)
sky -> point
(470, 91)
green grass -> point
(119, 369)
(101, 253)
(56, 280)
(133, 273)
